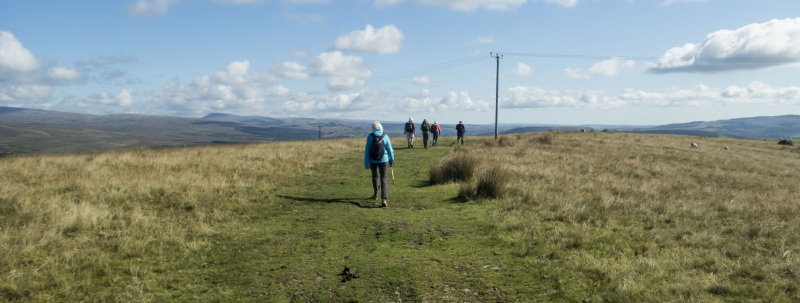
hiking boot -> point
(383, 203)
(374, 197)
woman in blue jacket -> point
(376, 158)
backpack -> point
(378, 148)
(409, 127)
(425, 126)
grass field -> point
(593, 217)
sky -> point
(566, 62)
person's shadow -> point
(352, 201)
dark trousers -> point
(460, 138)
(375, 167)
(435, 138)
(425, 139)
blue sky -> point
(563, 61)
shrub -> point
(460, 166)
(786, 142)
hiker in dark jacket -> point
(410, 132)
(425, 127)
(379, 165)
(460, 132)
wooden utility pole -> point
(496, 91)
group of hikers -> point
(410, 131)
(379, 154)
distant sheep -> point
(694, 145)
(726, 148)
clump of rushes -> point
(460, 166)
(490, 183)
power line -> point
(482, 57)
(648, 58)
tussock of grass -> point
(490, 183)
(546, 138)
(459, 166)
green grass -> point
(581, 216)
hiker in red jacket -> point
(436, 131)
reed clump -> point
(459, 166)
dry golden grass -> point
(652, 217)
(73, 220)
(594, 216)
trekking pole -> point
(392, 169)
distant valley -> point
(33, 131)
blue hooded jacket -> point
(388, 156)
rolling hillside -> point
(547, 217)
(31, 131)
(756, 128)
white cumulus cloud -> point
(386, 40)
(564, 3)
(702, 95)
(535, 97)
(15, 58)
(62, 73)
(342, 71)
(287, 70)
(234, 86)
(608, 68)
(522, 70)
(462, 101)
(22, 95)
(150, 8)
(467, 5)
(421, 80)
(755, 46)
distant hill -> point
(258, 120)
(27, 131)
(755, 128)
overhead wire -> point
(483, 57)
(648, 58)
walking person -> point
(435, 130)
(425, 127)
(410, 131)
(378, 156)
(460, 130)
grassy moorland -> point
(545, 217)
